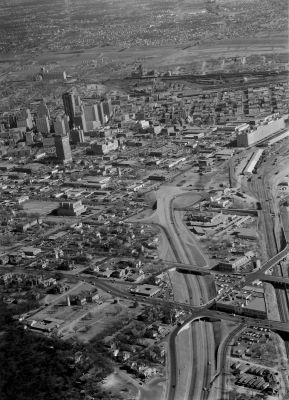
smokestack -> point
(68, 301)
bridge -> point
(259, 275)
(276, 280)
(277, 326)
(236, 211)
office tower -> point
(49, 145)
(76, 136)
(42, 124)
(69, 105)
(107, 108)
(42, 110)
(91, 117)
(79, 120)
(61, 125)
(78, 102)
(24, 119)
(101, 113)
(62, 148)
(29, 138)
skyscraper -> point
(79, 120)
(42, 110)
(76, 136)
(42, 124)
(101, 113)
(62, 148)
(24, 119)
(69, 105)
(61, 125)
(107, 107)
(91, 117)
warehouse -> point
(278, 138)
(253, 162)
(270, 126)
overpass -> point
(259, 275)
(277, 326)
(198, 312)
(236, 211)
(171, 266)
(276, 280)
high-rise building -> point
(49, 145)
(76, 136)
(29, 138)
(42, 110)
(24, 119)
(63, 149)
(101, 113)
(61, 125)
(42, 124)
(107, 108)
(79, 120)
(69, 105)
(91, 117)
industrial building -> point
(71, 209)
(253, 162)
(268, 127)
(278, 138)
(104, 148)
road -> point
(185, 251)
(261, 185)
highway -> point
(189, 291)
(186, 251)
(219, 391)
(273, 228)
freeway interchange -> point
(192, 343)
(192, 365)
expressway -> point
(196, 312)
(218, 391)
(189, 290)
(274, 220)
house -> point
(92, 297)
(4, 259)
(14, 258)
(47, 282)
(31, 251)
(78, 300)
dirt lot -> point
(90, 320)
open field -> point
(151, 57)
(70, 24)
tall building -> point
(42, 110)
(107, 108)
(24, 119)
(79, 120)
(42, 124)
(49, 145)
(91, 117)
(61, 125)
(29, 138)
(63, 149)
(76, 136)
(101, 113)
(69, 105)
